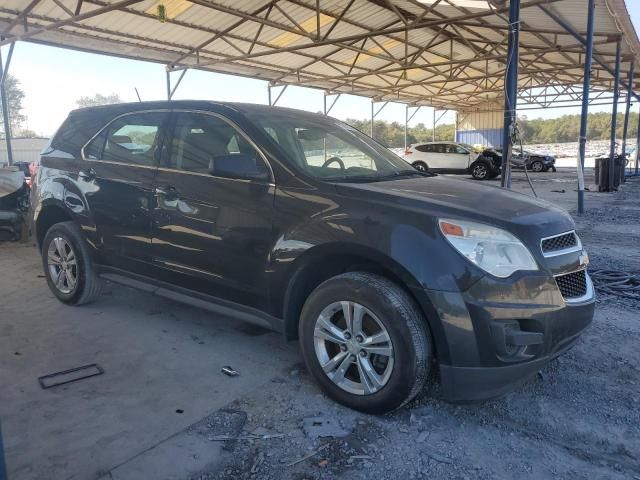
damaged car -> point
(301, 223)
(14, 202)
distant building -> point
(24, 149)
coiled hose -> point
(619, 284)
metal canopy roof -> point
(444, 53)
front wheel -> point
(537, 166)
(480, 171)
(68, 265)
(365, 342)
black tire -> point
(420, 166)
(87, 286)
(536, 166)
(404, 324)
(553, 168)
(481, 170)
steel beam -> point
(511, 91)
(4, 73)
(564, 24)
(614, 114)
(67, 21)
(172, 91)
(625, 128)
(586, 88)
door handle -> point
(87, 174)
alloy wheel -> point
(479, 171)
(63, 266)
(536, 167)
(353, 347)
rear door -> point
(117, 177)
(214, 230)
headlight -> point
(494, 250)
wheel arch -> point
(48, 215)
(326, 261)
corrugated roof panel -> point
(282, 53)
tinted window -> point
(132, 139)
(328, 149)
(459, 149)
(200, 140)
(424, 148)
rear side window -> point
(424, 148)
(132, 139)
(205, 143)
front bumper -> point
(477, 365)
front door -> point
(458, 157)
(211, 228)
(117, 177)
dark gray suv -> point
(303, 224)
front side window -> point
(133, 139)
(331, 150)
(207, 144)
(461, 150)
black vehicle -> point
(303, 224)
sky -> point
(53, 79)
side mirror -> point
(241, 166)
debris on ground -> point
(228, 371)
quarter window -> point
(132, 139)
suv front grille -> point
(573, 285)
(559, 242)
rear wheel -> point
(68, 266)
(420, 166)
(365, 342)
(480, 170)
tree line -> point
(391, 134)
(555, 130)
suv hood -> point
(440, 196)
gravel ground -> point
(578, 418)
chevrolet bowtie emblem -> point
(584, 259)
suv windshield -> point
(331, 150)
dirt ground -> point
(163, 410)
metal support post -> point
(511, 90)
(168, 85)
(433, 132)
(586, 86)
(327, 109)
(625, 128)
(406, 125)
(372, 117)
(614, 114)
(269, 94)
(172, 91)
(4, 73)
(638, 145)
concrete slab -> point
(159, 358)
